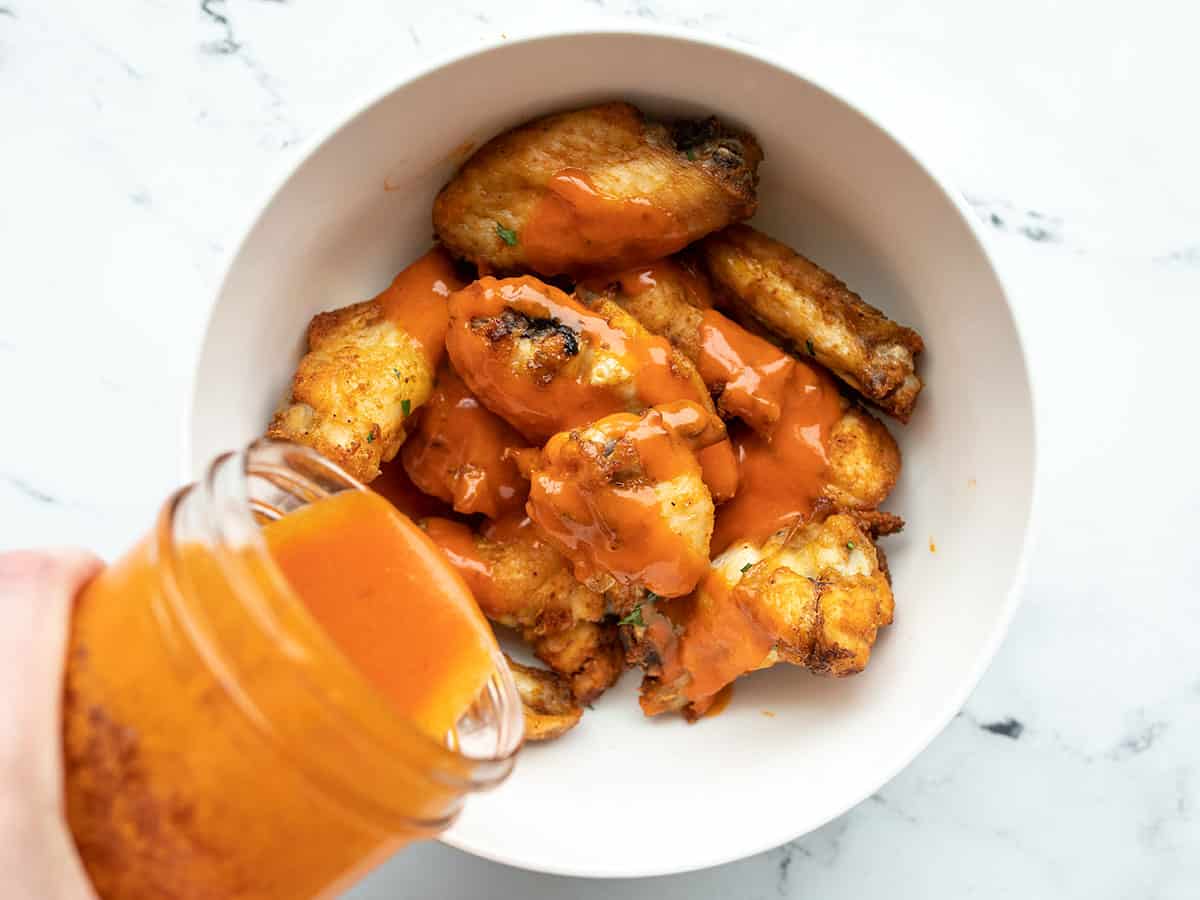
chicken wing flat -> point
(549, 708)
(368, 367)
(600, 187)
(625, 501)
(814, 597)
(746, 374)
(522, 582)
(546, 363)
(817, 315)
(460, 452)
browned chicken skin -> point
(550, 709)
(598, 187)
(817, 315)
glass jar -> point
(216, 742)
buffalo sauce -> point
(459, 452)
(717, 640)
(753, 373)
(617, 525)
(782, 475)
(457, 543)
(382, 591)
(416, 301)
(637, 280)
(540, 405)
(575, 226)
(394, 485)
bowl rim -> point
(283, 169)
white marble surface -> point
(135, 133)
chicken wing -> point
(368, 367)
(459, 452)
(624, 500)
(599, 187)
(746, 374)
(814, 597)
(522, 582)
(546, 363)
(550, 709)
(817, 314)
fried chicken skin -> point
(460, 452)
(624, 499)
(814, 597)
(519, 580)
(546, 363)
(598, 187)
(817, 315)
(368, 367)
(746, 374)
(549, 708)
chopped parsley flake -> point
(746, 568)
(808, 345)
(406, 407)
(397, 373)
(371, 438)
(849, 545)
(634, 618)
(507, 235)
(691, 153)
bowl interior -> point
(792, 751)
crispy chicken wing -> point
(746, 374)
(546, 363)
(521, 581)
(459, 452)
(814, 597)
(369, 366)
(599, 187)
(624, 499)
(817, 314)
(550, 709)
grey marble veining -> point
(135, 134)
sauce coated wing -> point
(817, 315)
(550, 709)
(814, 598)
(598, 187)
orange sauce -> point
(394, 485)
(458, 452)
(720, 701)
(456, 541)
(383, 592)
(618, 526)
(540, 407)
(416, 301)
(753, 372)
(575, 226)
(719, 640)
(638, 280)
(782, 475)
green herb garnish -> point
(634, 618)
(809, 346)
(507, 235)
(371, 438)
(746, 568)
(691, 153)
(396, 372)
(849, 545)
(406, 407)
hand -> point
(37, 855)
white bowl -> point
(623, 795)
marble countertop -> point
(135, 132)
